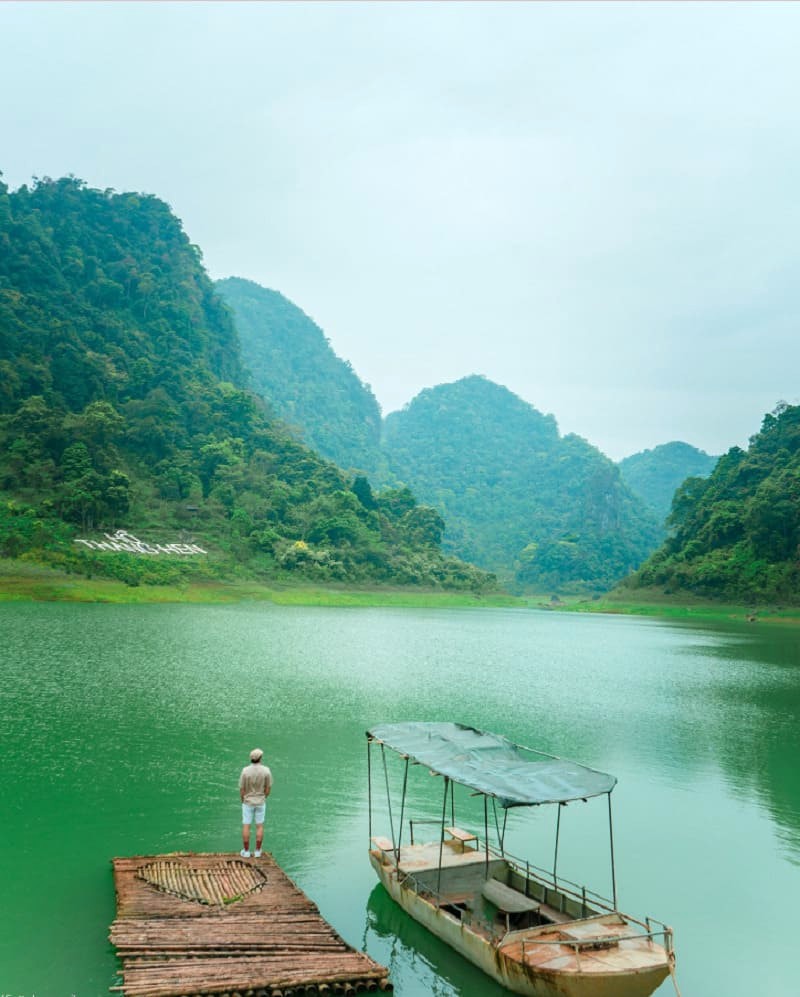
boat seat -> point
(463, 836)
(507, 899)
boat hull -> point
(513, 973)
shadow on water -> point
(418, 962)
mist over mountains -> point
(538, 509)
(544, 511)
(655, 475)
(293, 366)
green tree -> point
(117, 494)
(363, 492)
(76, 462)
(423, 526)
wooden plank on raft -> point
(218, 924)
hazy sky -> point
(593, 204)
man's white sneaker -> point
(244, 854)
(257, 853)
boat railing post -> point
(555, 856)
(388, 796)
(486, 830)
(611, 840)
(369, 784)
(583, 901)
(402, 812)
(411, 828)
(441, 842)
(527, 878)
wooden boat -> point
(528, 928)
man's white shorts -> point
(253, 814)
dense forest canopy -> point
(735, 534)
(123, 404)
(542, 510)
(295, 368)
(654, 475)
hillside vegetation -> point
(293, 366)
(123, 404)
(541, 510)
(655, 475)
(736, 533)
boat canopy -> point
(491, 764)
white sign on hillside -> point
(121, 540)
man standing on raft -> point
(255, 785)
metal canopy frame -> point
(449, 783)
(515, 775)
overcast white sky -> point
(593, 204)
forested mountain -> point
(122, 404)
(736, 533)
(294, 367)
(655, 474)
(540, 509)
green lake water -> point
(124, 729)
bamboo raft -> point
(193, 925)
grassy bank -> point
(648, 602)
(25, 582)
(21, 582)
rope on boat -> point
(674, 979)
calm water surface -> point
(124, 729)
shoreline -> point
(27, 582)
(670, 607)
(33, 583)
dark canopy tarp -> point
(492, 764)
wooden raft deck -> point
(190, 925)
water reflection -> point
(755, 694)
(418, 962)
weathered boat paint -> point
(498, 959)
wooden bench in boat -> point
(463, 836)
(507, 899)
